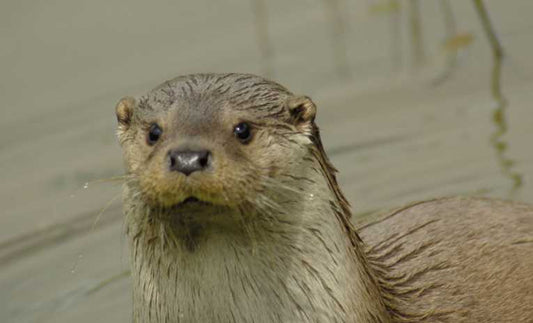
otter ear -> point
(124, 112)
(302, 111)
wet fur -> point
(277, 243)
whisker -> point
(108, 179)
(108, 204)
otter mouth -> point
(192, 201)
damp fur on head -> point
(201, 110)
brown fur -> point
(273, 240)
(456, 259)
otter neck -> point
(296, 266)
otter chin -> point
(234, 214)
(191, 200)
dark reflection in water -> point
(500, 145)
(499, 115)
(262, 37)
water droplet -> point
(85, 186)
(76, 263)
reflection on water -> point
(500, 145)
(499, 116)
(262, 38)
(337, 28)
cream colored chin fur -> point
(294, 266)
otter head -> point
(215, 139)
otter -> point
(233, 214)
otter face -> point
(220, 139)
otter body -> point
(234, 214)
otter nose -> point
(188, 161)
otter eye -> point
(242, 132)
(154, 134)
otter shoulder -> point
(465, 258)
